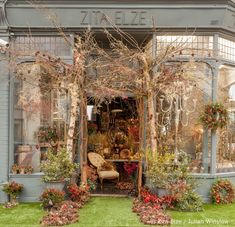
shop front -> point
(117, 126)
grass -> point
(114, 212)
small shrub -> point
(222, 192)
(190, 201)
(50, 197)
(78, 194)
(160, 167)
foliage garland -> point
(214, 116)
(222, 192)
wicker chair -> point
(96, 160)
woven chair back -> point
(95, 159)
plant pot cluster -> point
(21, 169)
(151, 208)
(60, 211)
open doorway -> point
(114, 134)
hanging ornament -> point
(214, 116)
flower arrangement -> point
(13, 189)
(222, 192)
(120, 138)
(28, 169)
(214, 116)
(133, 129)
(21, 169)
(130, 168)
(15, 169)
(50, 197)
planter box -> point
(162, 192)
(56, 185)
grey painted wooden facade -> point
(137, 17)
(4, 122)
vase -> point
(22, 171)
(55, 184)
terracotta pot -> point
(22, 171)
(14, 171)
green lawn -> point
(112, 212)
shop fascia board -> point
(58, 2)
(123, 16)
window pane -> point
(36, 110)
(226, 145)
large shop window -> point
(36, 110)
(57, 46)
(178, 111)
(187, 44)
(226, 49)
(226, 136)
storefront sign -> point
(119, 17)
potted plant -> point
(28, 169)
(22, 169)
(57, 168)
(159, 171)
(15, 169)
(50, 197)
(13, 189)
(47, 134)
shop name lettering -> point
(118, 17)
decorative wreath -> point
(222, 192)
(214, 116)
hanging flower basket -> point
(214, 116)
